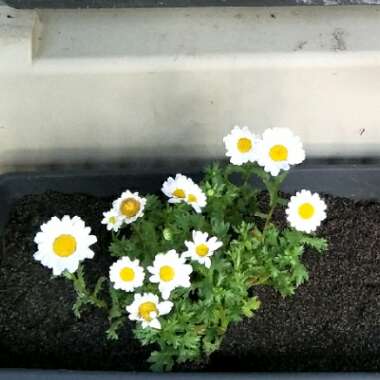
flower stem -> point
(273, 185)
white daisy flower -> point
(112, 220)
(176, 188)
(63, 244)
(170, 271)
(241, 145)
(306, 211)
(146, 308)
(278, 149)
(127, 274)
(202, 248)
(130, 206)
(196, 198)
(183, 189)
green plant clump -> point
(187, 320)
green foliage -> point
(115, 315)
(85, 296)
(255, 252)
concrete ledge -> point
(30, 4)
(108, 85)
(17, 31)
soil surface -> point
(331, 324)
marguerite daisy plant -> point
(306, 211)
(170, 271)
(279, 148)
(64, 243)
(176, 189)
(127, 274)
(201, 248)
(182, 285)
(147, 308)
(183, 189)
(241, 145)
(129, 206)
(112, 220)
(196, 198)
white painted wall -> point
(100, 85)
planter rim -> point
(148, 166)
(352, 178)
(36, 374)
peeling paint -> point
(300, 45)
(339, 43)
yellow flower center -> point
(179, 193)
(278, 152)
(112, 220)
(127, 274)
(244, 145)
(130, 207)
(145, 309)
(202, 250)
(166, 273)
(306, 210)
(192, 198)
(64, 245)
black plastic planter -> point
(355, 181)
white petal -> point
(155, 323)
(165, 292)
(165, 307)
(207, 262)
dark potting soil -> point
(332, 323)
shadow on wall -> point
(178, 124)
(134, 160)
